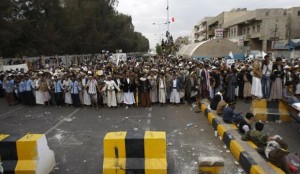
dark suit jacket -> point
(128, 87)
(177, 84)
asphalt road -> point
(76, 135)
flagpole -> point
(168, 22)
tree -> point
(43, 27)
(158, 49)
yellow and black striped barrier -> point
(264, 110)
(27, 154)
(237, 150)
(133, 152)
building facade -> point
(253, 30)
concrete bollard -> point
(210, 165)
(26, 154)
(134, 152)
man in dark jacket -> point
(216, 99)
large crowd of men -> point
(165, 80)
(144, 82)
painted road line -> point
(149, 115)
(10, 111)
(62, 121)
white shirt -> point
(268, 73)
(161, 83)
(174, 83)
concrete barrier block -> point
(221, 129)
(211, 117)
(203, 107)
(260, 103)
(155, 144)
(211, 165)
(114, 145)
(135, 152)
(155, 166)
(236, 149)
(255, 169)
(111, 165)
(29, 154)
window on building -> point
(231, 32)
(253, 29)
(267, 13)
(258, 28)
(244, 31)
(298, 13)
(284, 12)
(234, 32)
(248, 30)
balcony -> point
(210, 32)
(255, 35)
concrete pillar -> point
(265, 45)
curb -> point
(238, 151)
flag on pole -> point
(173, 19)
(231, 55)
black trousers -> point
(29, 98)
(22, 97)
(76, 100)
(58, 98)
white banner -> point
(219, 33)
(14, 67)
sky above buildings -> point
(186, 13)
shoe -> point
(126, 107)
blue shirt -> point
(58, 86)
(29, 85)
(8, 86)
(228, 114)
(74, 87)
(22, 86)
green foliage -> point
(158, 49)
(48, 27)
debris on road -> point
(135, 129)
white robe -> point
(39, 99)
(256, 89)
(111, 94)
(68, 98)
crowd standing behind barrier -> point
(94, 80)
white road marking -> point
(10, 111)
(149, 115)
(62, 121)
(150, 109)
(148, 121)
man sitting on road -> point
(288, 93)
(275, 149)
(221, 105)
(257, 137)
(229, 116)
(245, 124)
(216, 99)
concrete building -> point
(257, 29)
(181, 41)
(199, 33)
